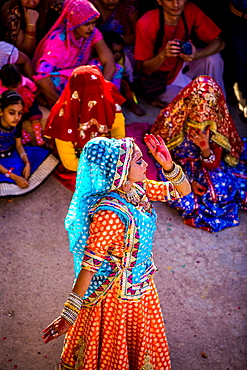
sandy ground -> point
(201, 282)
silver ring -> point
(52, 331)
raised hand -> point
(159, 151)
(200, 138)
(58, 327)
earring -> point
(127, 186)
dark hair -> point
(112, 37)
(9, 75)
(10, 97)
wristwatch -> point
(7, 174)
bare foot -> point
(158, 103)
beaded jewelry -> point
(72, 307)
(134, 198)
(176, 176)
(210, 159)
(23, 154)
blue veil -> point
(103, 166)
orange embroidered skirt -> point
(118, 335)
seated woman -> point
(89, 106)
(69, 44)
(119, 16)
(22, 169)
(24, 23)
(199, 130)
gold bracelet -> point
(31, 24)
(30, 37)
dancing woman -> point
(112, 317)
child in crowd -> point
(116, 44)
(11, 79)
(22, 169)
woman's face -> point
(11, 115)
(138, 167)
(109, 4)
(30, 4)
(85, 30)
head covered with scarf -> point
(200, 104)
(86, 108)
(103, 166)
(75, 13)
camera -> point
(185, 47)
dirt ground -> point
(201, 282)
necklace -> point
(134, 198)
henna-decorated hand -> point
(159, 150)
(58, 327)
(200, 138)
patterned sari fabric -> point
(199, 105)
(59, 53)
(120, 325)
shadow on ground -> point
(201, 281)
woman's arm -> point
(20, 181)
(25, 64)
(100, 240)
(160, 152)
(48, 89)
(60, 325)
(26, 40)
(106, 58)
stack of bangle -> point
(72, 307)
(176, 176)
(22, 154)
(210, 159)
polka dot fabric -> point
(118, 335)
(106, 236)
(162, 191)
